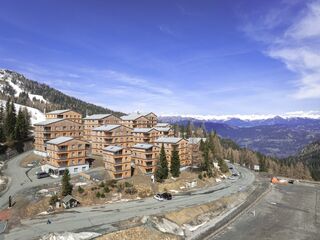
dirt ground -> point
(30, 158)
(141, 232)
(194, 214)
(98, 161)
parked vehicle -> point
(166, 196)
(158, 197)
(291, 181)
(42, 175)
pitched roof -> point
(59, 140)
(162, 125)
(168, 140)
(97, 116)
(68, 198)
(113, 148)
(162, 129)
(132, 116)
(59, 111)
(106, 127)
(49, 121)
(143, 145)
(142, 130)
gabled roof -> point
(168, 140)
(195, 140)
(59, 140)
(106, 127)
(59, 111)
(49, 121)
(162, 125)
(143, 145)
(97, 116)
(142, 130)
(68, 198)
(145, 114)
(112, 148)
(132, 116)
(162, 129)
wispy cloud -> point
(297, 45)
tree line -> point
(13, 126)
(217, 149)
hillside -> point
(273, 139)
(310, 156)
(41, 96)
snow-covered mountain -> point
(39, 97)
(12, 80)
(292, 118)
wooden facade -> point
(117, 161)
(65, 114)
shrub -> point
(120, 187)
(111, 183)
(101, 184)
(102, 195)
(204, 175)
(98, 195)
(53, 199)
(94, 188)
(131, 190)
(200, 176)
(128, 185)
(80, 189)
(106, 189)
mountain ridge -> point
(41, 96)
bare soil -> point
(141, 232)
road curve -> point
(100, 218)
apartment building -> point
(53, 128)
(145, 135)
(97, 120)
(171, 143)
(145, 157)
(113, 134)
(163, 125)
(165, 131)
(65, 114)
(194, 150)
(152, 119)
(135, 120)
(117, 161)
(66, 153)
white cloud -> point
(299, 49)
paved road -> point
(287, 212)
(19, 180)
(100, 219)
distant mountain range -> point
(278, 136)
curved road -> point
(19, 180)
(101, 218)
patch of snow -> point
(193, 228)
(38, 97)
(80, 184)
(42, 191)
(36, 115)
(70, 236)
(166, 226)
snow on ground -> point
(8, 78)
(70, 236)
(36, 115)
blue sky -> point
(169, 56)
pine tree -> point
(162, 168)
(66, 185)
(2, 119)
(26, 123)
(18, 134)
(223, 166)
(10, 120)
(175, 163)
